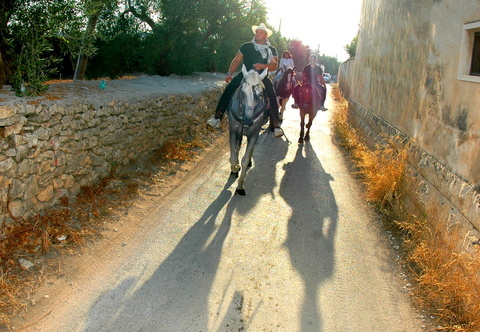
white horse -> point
(247, 113)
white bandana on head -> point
(264, 49)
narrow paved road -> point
(301, 252)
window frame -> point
(467, 53)
(475, 63)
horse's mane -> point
(280, 84)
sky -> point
(325, 24)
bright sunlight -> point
(324, 25)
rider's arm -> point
(233, 66)
(272, 66)
(321, 80)
(320, 77)
(235, 62)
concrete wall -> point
(410, 78)
(50, 147)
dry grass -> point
(443, 285)
(382, 169)
(64, 229)
(443, 277)
(125, 77)
(181, 151)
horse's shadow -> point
(175, 296)
(311, 229)
(262, 176)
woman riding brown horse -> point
(283, 85)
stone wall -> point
(407, 70)
(407, 80)
(451, 203)
(51, 147)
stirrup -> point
(277, 132)
(213, 122)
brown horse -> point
(283, 85)
(309, 102)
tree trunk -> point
(7, 8)
(3, 70)
(82, 59)
(142, 15)
(81, 67)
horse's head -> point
(288, 77)
(305, 94)
(252, 78)
(252, 91)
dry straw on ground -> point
(444, 285)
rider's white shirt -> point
(285, 63)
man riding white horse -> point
(257, 54)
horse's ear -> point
(244, 71)
(264, 74)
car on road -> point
(327, 77)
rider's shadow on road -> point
(175, 297)
(311, 229)
(261, 178)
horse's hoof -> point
(307, 138)
(234, 174)
(240, 192)
(300, 140)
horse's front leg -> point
(311, 116)
(281, 107)
(246, 161)
(302, 126)
(235, 143)
(284, 105)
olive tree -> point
(35, 26)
